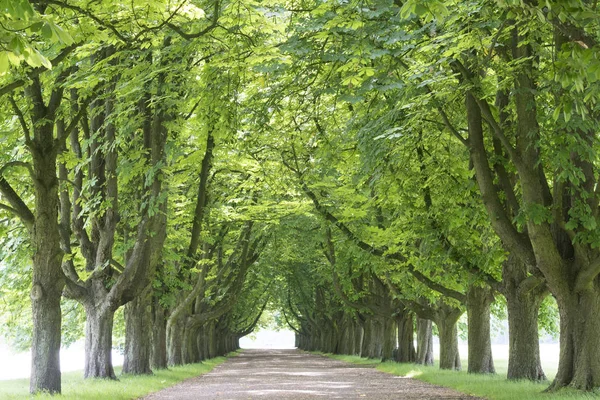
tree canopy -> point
(361, 168)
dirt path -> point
(291, 374)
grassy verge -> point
(492, 387)
(126, 388)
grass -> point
(492, 387)
(126, 388)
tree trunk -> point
(138, 331)
(406, 346)
(191, 351)
(200, 343)
(424, 342)
(204, 342)
(480, 344)
(98, 342)
(367, 337)
(45, 350)
(158, 355)
(449, 357)
(358, 338)
(373, 338)
(377, 338)
(47, 282)
(175, 345)
(347, 340)
(389, 339)
(579, 362)
(212, 340)
(523, 308)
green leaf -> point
(47, 31)
(35, 59)
(61, 34)
(4, 64)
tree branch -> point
(17, 205)
(22, 121)
(213, 25)
(8, 88)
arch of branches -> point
(367, 168)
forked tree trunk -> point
(138, 331)
(98, 342)
(480, 344)
(424, 342)
(406, 346)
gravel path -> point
(292, 374)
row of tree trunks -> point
(374, 337)
(393, 339)
(192, 345)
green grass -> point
(492, 387)
(126, 388)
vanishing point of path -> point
(292, 374)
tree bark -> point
(406, 346)
(448, 331)
(138, 331)
(388, 328)
(424, 342)
(47, 282)
(480, 344)
(191, 350)
(367, 337)
(579, 362)
(45, 348)
(345, 339)
(158, 355)
(175, 345)
(98, 342)
(523, 306)
(373, 338)
(359, 334)
(212, 340)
